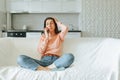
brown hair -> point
(56, 27)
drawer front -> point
(73, 35)
(16, 34)
(33, 35)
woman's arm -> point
(42, 45)
(64, 29)
(43, 42)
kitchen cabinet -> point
(33, 34)
(70, 6)
(44, 6)
(18, 6)
(51, 6)
(35, 6)
(73, 34)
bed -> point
(95, 59)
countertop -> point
(34, 30)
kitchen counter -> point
(34, 31)
(42, 31)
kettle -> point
(24, 27)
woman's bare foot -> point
(43, 68)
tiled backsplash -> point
(101, 18)
(35, 21)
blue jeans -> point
(27, 62)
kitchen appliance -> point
(15, 33)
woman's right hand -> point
(46, 31)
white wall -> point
(2, 14)
(35, 21)
(101, 18)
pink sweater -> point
(54, 45)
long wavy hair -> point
(56, 27)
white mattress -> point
(95, 59)
(74, 73)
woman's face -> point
(50, 25)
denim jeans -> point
(27, 62)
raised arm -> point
(64, 29)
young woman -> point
(50, 46)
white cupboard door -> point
(19, 6)
(33, 34)
(70, 6)
(73, 35)
(51, 6)
(44, 6)
(35, 7)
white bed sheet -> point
(95, 59)
(74, 73)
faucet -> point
(71, 26)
